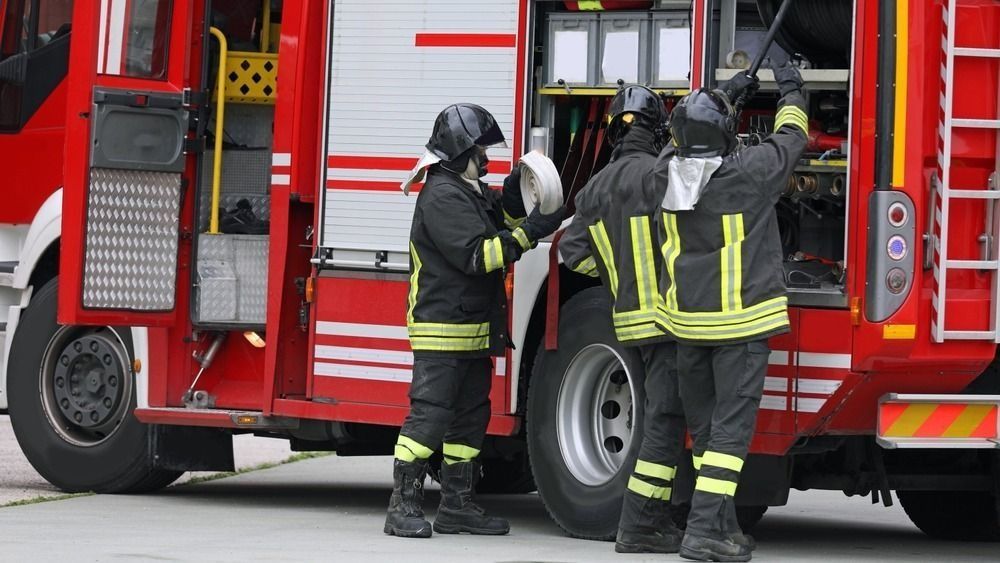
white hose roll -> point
(540, 183)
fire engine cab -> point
(203, 234)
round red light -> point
(897, 214)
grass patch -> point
(41, 499)
(267, 465)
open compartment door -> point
(125, 167)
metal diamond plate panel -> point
(217, 286)
(246, 174)
(130, 260)
(251, 270)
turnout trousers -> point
(646, 506)
(449, 409)
(720, 389)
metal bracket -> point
(990, 232)
(192, 98)
(930, 239)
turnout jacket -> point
(613, 236)
(459, 247)
(724, 257)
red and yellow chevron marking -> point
(937, 420)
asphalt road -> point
(332, 509)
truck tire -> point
(582, 399)
(71, 397)
(953, 515)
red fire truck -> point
(202, 234)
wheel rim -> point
(594, 414)
(85, 384)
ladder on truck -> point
(942, 192)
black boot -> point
(646, 526)
(703, 548)
(457, 512)
(733, 529)
(406, 514)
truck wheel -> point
(71, 397)
(582, 401)
(953, 515)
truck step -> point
(939, 421)
(217, 418)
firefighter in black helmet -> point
(613, 236)
(727, 294)
(463, 236)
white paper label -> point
(674, 60)
(569, 61)
(621, 57)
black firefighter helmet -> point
(641, 104)
(460, 127)
(703, 124)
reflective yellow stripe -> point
(732, 263)
(587, 267)
(791, 115)
(433, 344)
(521, 238)
(643, 488)
(656, 470)
(627, 334)
(671, 250)
(642, 255)
(603, 244)
(696, 461)
(901, 88)
(459, 452)
(589, 5)
(510, 221)
(719, 318)
(492, 254)
(414, 284)
(716, 486)
(449, 330)
(725, 461)
(762, 326)
(414, 448)
(636, 316)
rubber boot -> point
(646, 526)
(457, 512)
(733, 529)
(406, 514)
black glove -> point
(539, 226)
(512, 201)
(739, 84)
(788, 78)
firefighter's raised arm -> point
(774, 160)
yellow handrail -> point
(220, 113)
(265, 29)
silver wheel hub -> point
(595, 414)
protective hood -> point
(419, 171)
(687, 179)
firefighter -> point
(462, 237)
(727, 295)
(612, 236)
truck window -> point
(147, 38)
(34, 54)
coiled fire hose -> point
(540, 183)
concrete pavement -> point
(19, 481)
(332, 509)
